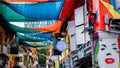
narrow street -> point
(59, 33)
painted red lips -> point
(109, 60)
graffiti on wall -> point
(113, 7)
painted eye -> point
(115, 48)
(102, 48)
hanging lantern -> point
(61, 45)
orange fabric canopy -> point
(53, 28)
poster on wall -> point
(108, 57)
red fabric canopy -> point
(68, 8)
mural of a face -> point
(108, 56)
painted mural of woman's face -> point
(109, 59)
(108, 56)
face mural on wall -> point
(108, 56)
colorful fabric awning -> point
(12, 16)
(29, 0)
(68, 8)
(31, 38)
(41, 35)
(29, 45)
(53, 28)
(38, 10)
(22, 30)
(44, 43)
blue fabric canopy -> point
(40, 35)
(11, 15)
(43, 43)
(31, 38)
(43, 10)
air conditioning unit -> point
(114, 24)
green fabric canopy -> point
(22, 30)
(13, 16)
(40, 43)
(30, 38)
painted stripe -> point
(97, 49)
(111, 9)
(119, 49)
